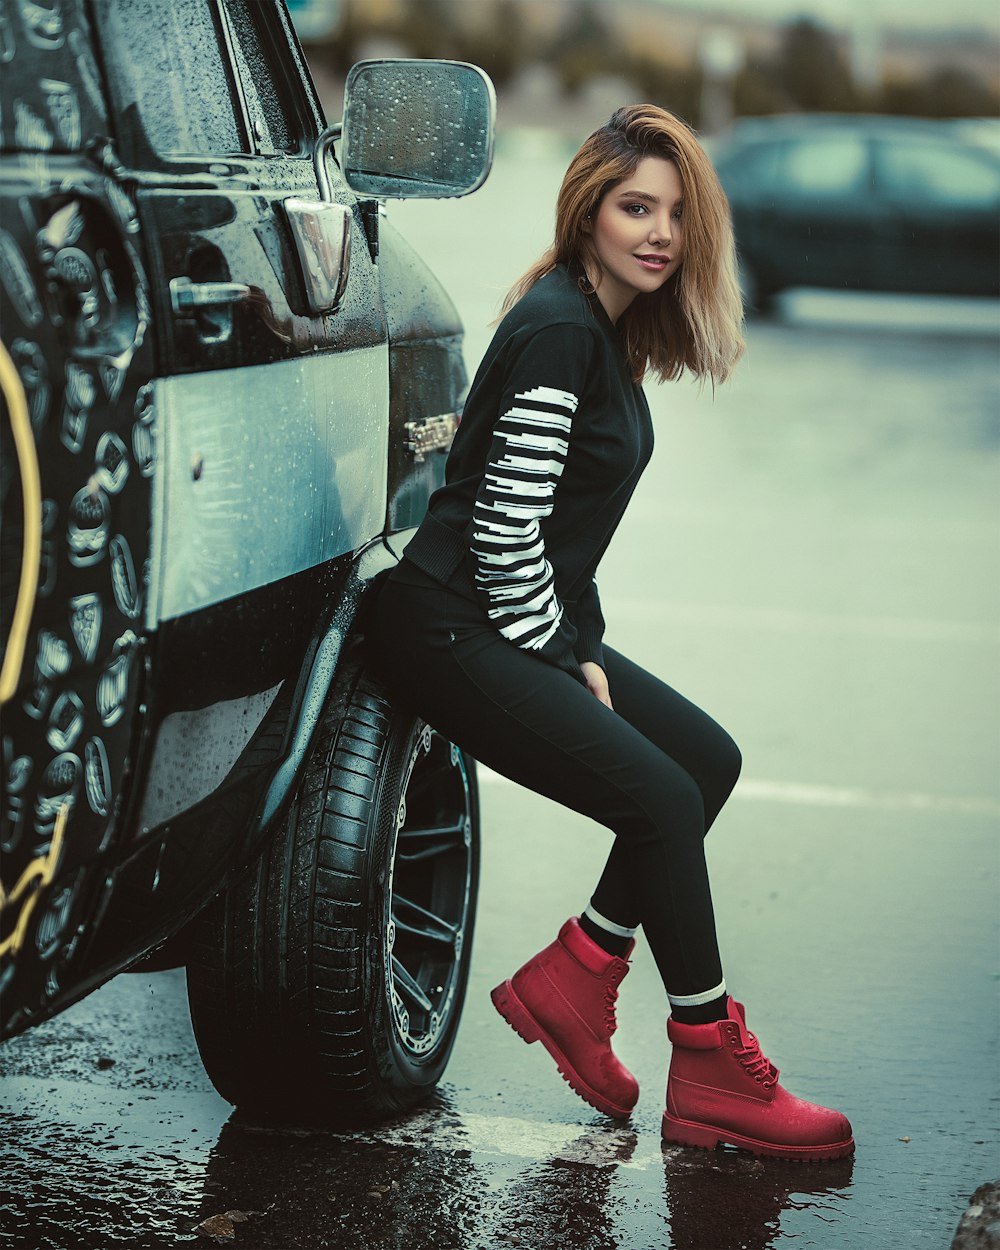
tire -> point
(328, 981)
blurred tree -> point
(948, 92)
(809, 71)
(429, 28)
(812, 70)
(496, 42)
(674, 87)
(485, 34)
(335, 49)
(581, 49)
(755, 91)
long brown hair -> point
(695, 320)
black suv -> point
(227, 385)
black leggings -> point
(655, 771)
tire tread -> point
(278, 991)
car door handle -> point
(186, 295)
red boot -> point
(722, 1089)
(564, 997)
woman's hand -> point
(597, 681)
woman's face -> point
(638, 235)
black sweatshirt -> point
(553, 440)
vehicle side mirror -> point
(417, 129)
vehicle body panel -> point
(216, 479)
(75, 316)
(240, 503)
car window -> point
(170, 70)
(825, 166)
(938, 173)
(271, 115)
(752, 170)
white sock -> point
(697, 1000)
(607, 925)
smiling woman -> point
(491, 627)
(691, 319)
(638, 234)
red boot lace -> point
(757, 1064)
(610, 999)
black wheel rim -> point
(430, 894)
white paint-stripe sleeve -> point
(527, 456)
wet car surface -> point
(227, 388)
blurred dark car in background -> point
(861, 203)
(981, 132)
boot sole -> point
(507, 1003)
(705, 1137)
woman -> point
(491, 628)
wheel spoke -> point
(417, 922)
(409, 988)
(431, 840)
(430, 774)
(457, 828)
(427, 852)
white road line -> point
(879, 800)
(627, 609)
(517, 1138)
(805, 795)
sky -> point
(928, 14)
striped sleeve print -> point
(526, 460)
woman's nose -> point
(659, 231)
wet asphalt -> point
(812, 556)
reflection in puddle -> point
(353, 1191)
(362, 1194)
(725, 1198)
(133, 1168)
(593, 1193)
(573, 1199)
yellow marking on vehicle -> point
(38, 874)
(31, 495)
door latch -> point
(430, 434)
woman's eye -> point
(635, 209)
